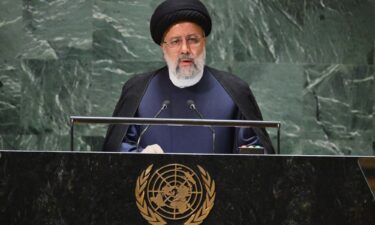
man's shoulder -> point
(142, 78)
(227, 77)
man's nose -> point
(185, 48)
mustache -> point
(185, 57)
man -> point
(191, 89)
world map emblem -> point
(175, 192)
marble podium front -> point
(99, 188)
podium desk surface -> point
(111, 188)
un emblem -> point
(175, 192)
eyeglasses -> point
(191, 41)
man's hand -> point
(153, 149)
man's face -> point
(184, 50)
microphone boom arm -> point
(163, 107)
(192, 106)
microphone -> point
(163, 107)
(192, 106)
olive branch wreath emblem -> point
(154, 219)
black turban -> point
(172, 11)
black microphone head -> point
(165, 103)
(190, 103)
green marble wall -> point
(310, 64)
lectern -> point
(139, 189)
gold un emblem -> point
(175, 192)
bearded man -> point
(181, 29)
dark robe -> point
(223, 89)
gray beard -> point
(187, 76)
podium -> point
(113, 188)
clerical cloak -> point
(218, 95)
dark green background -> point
(310, 64)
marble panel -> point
(220, 42)
(8, 142)
(304, 31)
(13, 38)
(58, 28)
(10, 97)
(338, 109)
(268, 31)
(51, 92)
(339, 31)
(121, 31)
(44, 142)
(277, 89)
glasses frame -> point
(186, 38)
